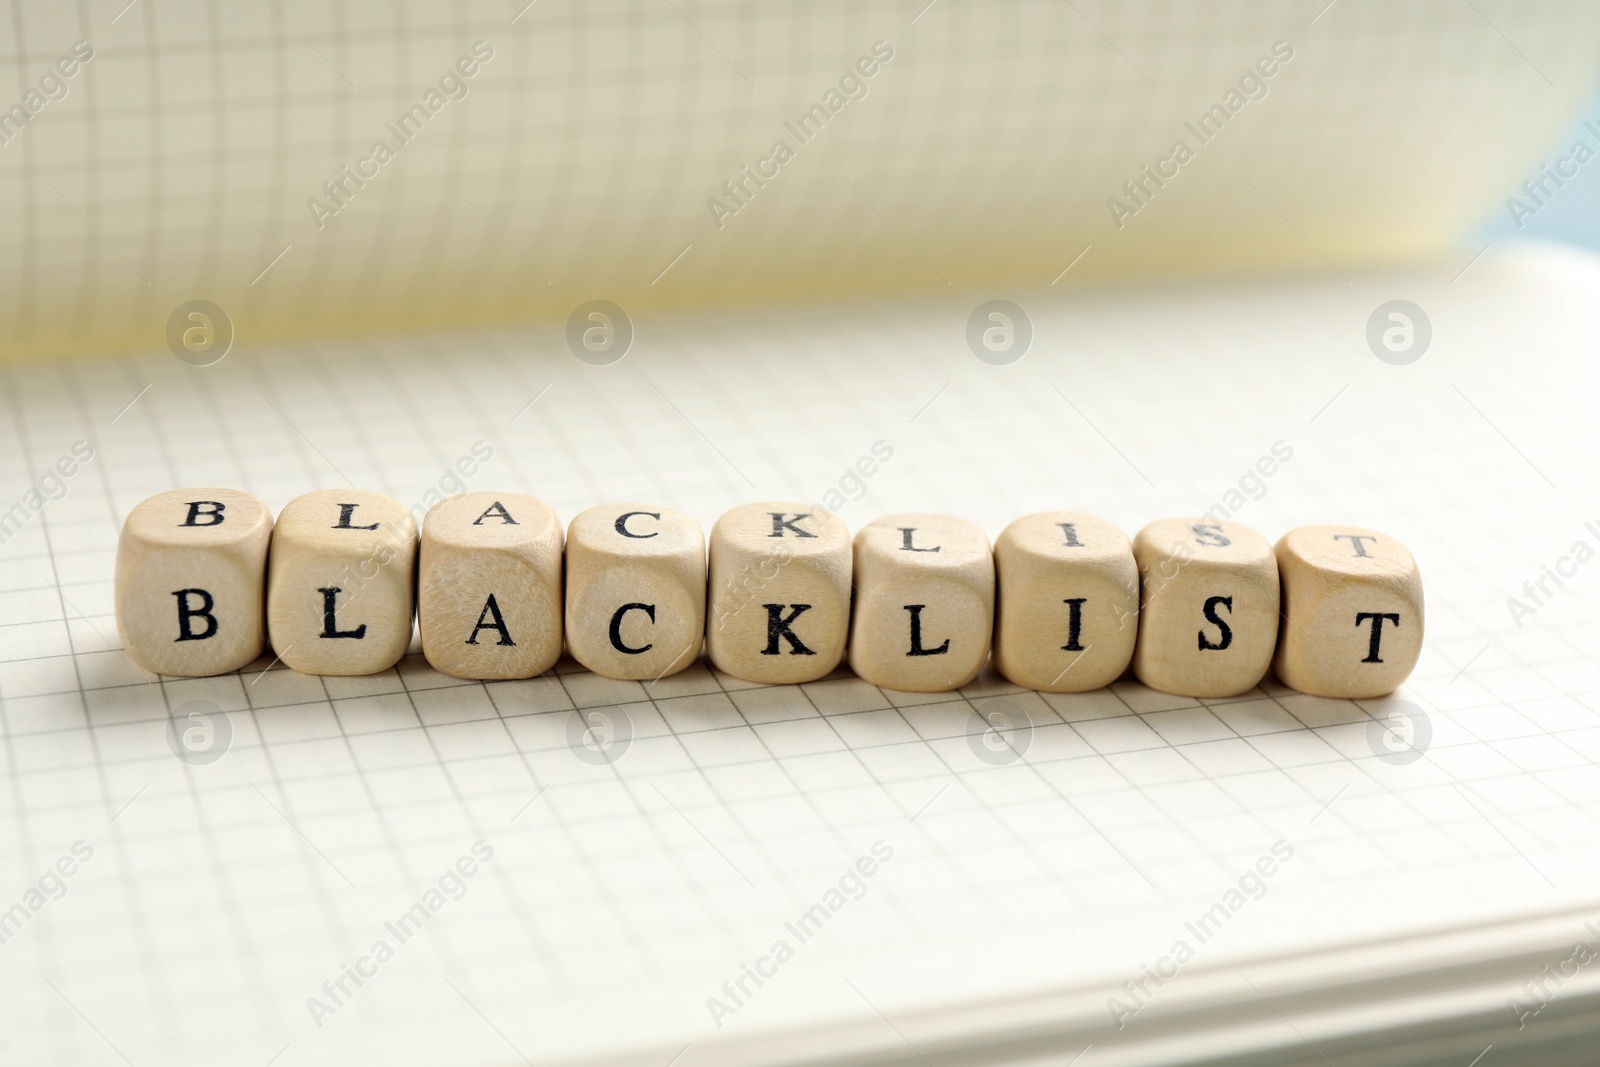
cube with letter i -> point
(341, 582)
(1208, 622)
(489, 586)
(190, 576)
(924, 607)
(778, 609)
(1068, 602)
(1352, 612)
(636, 590)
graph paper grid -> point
(218, 899)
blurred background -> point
(319, 169)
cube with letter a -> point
(489, 586)
(1352, 612)
(190, 576)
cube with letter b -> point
(924, 607)
(341, 582)
(779, 603)
(1208, 623)
(1352, 612)
(489, 586)
(636, 590)
(191, 570)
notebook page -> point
(635, 848)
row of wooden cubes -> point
(1197, 607)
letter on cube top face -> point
(190, 581)
(924, 606)
(1209, 621)
(1352, 612)
(489, 586)
(636, 590)
(779, 604)
(1068, 602)
(341, 581)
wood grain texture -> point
(341, 579)
(779, 602)
(636, 590)
(190, 581)
(924, 603)
(1352, 612)
(1068, 602)
(1208, 621)
(489, 576)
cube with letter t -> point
(1352, 612)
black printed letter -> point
(1211, 616)
(616, 620)
(779, 524)
(1355, 540)
(778, 626)
(489, 608)
(195, 514)
(622, 524)
(1377, 631)
(916, 634)
(498, 510)
(330, 627)
(345, 511)
(1074, 622)
(185, 613)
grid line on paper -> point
(598, 895)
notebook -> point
(279, 869)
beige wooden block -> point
(489, 586)
(924, 605)
(1352, 612)
(636, 590)
(341, 579)
(1209, 619)
(779, 604)
(1068, 602)
(190, 581)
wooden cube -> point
(190, 581)
(1209, 619)
(779, 604)
(489, 586)
(924, 605)
(341, 579)
(1068, 611)
(636, 590)
(1352, 612)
